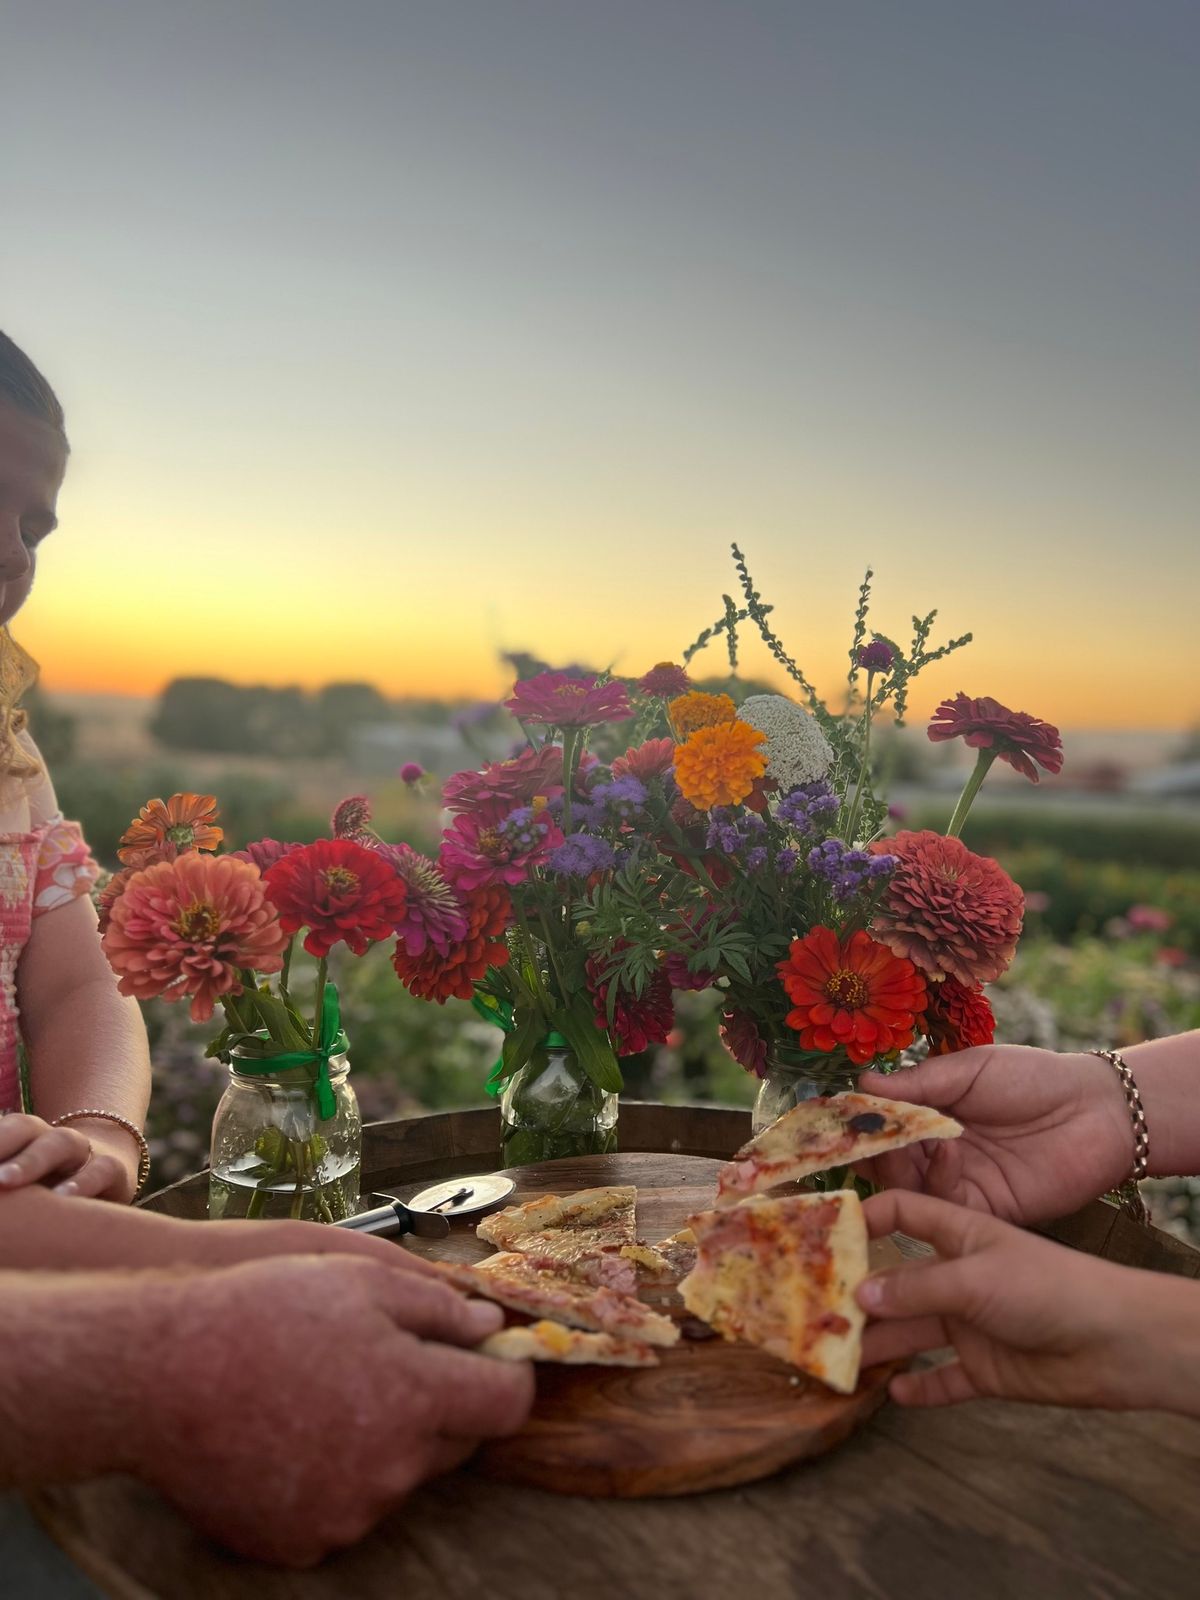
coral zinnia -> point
(164, 829)
(476, 852)
(434, 914)
(1014, 736)
(338, 890)
(665, 681)
(563, 700)
(957, 1017)
(654, 759)
(639, 1020)
(453, 973)
(188, 927)
(947, 909)
(718, 766)
(699, 710)
(857, 996)
(502, 785)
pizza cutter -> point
(427, 1214)
(394, 1218)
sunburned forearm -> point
(1168, 1078)
(43, 1230)
(73, 1354)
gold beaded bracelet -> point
(91, 1113)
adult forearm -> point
(90, 1051)
(73, 1354)
(1168, 1078)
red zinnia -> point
(453, 973)
(957, 1018)
(654, 759)
(639, 1020)
(857, 996)
(948, 910)
(1015, 736)
(337, 889)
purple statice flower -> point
(580, 855)
(732, 832)
(786, 860)
(876, 656)
(756, 859)
(845, 869)
(803, 808)
(882, 866)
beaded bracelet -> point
(131, 1128)
(1137, 1112)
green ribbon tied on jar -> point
(331, 1041)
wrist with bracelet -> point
(1128, 1193)
(94, 1114)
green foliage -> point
(1135, 836)
(1084, 897)
(248, 719)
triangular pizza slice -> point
(566, 1228)
(781, 1274)
(831, 1131)
(514, 1280)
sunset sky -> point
(391, 334)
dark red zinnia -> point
(338, 890)
(1015, 736)
(957, 1018)
(638, 1020)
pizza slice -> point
(591, 1220)
(831, 1131)
(781, 1274)
(514, 1280)
(671, 1257)
(550, 1341)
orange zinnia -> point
(718, 766)
(857, 996)
(696, 710)
(165, 829)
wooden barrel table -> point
(985, 1500)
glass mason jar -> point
(551, 1108)
(792, 1076)
(274, 1155)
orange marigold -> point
(696, 710)
(719, 766)
(165, 829)
(857, 996)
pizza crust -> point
(549, 1341)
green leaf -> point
(592, 1048)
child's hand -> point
(1028, 1319)
(31, 1151)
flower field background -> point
(1111, 953)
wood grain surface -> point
(710, 1415)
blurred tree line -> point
(212, 715)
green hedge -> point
(1142, 837)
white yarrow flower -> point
(797, 750)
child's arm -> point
(1028, 1319)
(86, 1044)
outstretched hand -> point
(1042, 1133)
(1026, 1318)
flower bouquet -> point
(180, 922)
(739, 846)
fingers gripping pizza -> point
(781, 1274)
(831, 1131)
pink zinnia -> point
(503, 785)
(947, 910)
(186, 928)
(666, 681)
(434, 914)
(263, 853)
(561, 700)
(476, 852)
(1015, 736)
(654, 759)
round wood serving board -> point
(713, 1414)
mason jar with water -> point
(286, 1142)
